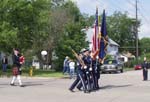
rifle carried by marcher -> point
(79, 58)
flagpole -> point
(137, 50)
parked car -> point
(112, 66)
(138, 67)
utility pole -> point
(136, 30)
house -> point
(10, 61)
(125, 57)
(112, 48)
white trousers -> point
(18, 78)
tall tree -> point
(24, 19)
(121, 29)
(73, 37)
(144, 45)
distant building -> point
(112, 48)
(125, 57)
(2, 54)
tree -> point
(121, 29)
(144, 45)
(22, 21)
(73, 37)
(63, 30)
(36, 25)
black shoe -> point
(79, 89)
(86, 91)
(71, 90)
(97, 88)
(22, 85)
(12, 84)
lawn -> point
(128, 69)
(43, 73)
(36, 73)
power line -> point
(144, 17)
(139, 5)
(136, 30)
(141, 13)
(131, 3)
(116, 5)
(102, 4)
(132, 47)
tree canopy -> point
(54, 26)
(36, 25)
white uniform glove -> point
(90, 69)
(85, 67)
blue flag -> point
(104, 38)
(103, 25)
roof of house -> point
(111, 42)
(89, 32)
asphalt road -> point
(126, 87)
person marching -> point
(16, 68)
(145, 69)
(96, 68)
(21, 60)
(80, 74)
(89, 72)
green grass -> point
(44, 73)
(41, 73)
(36, 73)
(128, 69)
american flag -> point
(96, 39)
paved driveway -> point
(126, 87)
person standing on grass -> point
(4, 64)
(72, 68)
(16, 68)
(66, 65)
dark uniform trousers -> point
(89, 81)
(145, 70)
(95, 80)
(80, 78)
(97, 77)
(96, 71)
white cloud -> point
(130, 9)
(89, 7)
(144, 30)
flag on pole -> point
(104, 39)
(95, 39)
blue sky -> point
(89, 6)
